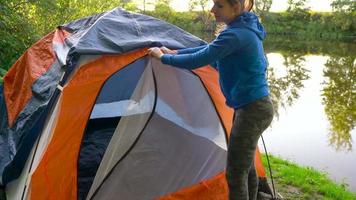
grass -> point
(295, 182)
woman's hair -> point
(245, 4)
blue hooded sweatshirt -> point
(238, 55)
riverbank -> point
(303, 183)
(305, 24)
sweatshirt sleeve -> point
(226, 43)
(190, 50)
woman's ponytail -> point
(246, 4)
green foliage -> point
(344, 6)
(46, 15)
(194, 21)
(297, 5)
(262, 7)
(2, 74)
(163, 10)
(313, 184)
(314, 26)
(200, 4)
(345, 22)
(294, 45)
(300, 21)
(204, 15)
(16, 33)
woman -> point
(238, 55)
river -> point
(314, 92)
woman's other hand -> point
(168, 51)
(155, 52)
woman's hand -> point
(168, 51)
(155, 52)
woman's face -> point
(224, 11)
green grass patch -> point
(296, 182)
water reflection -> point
(302, 131)
(284, 89)
(339, 95)
(339, 88)
(338, 92)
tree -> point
(46, 15)
(344, 16)
(262, 7)
(199, 4)
(347, 6)
(163, 3)
(129, 5)
(16, 34)
(297, 9)
(297, 5)
(204, 13)
(163, 9)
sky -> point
(277, 6)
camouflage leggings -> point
(249, 123)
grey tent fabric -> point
(163, 161)
(178, 93)
(120, 31)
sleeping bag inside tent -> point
(86, 114)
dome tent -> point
(86, 114)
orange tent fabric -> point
(212, 189)
(31, 65)
(56, 175)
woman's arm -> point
(226, 43)
(193, 50)
(190, 50)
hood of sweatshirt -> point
(250, 21)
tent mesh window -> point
(182, 144)
(103, 121)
